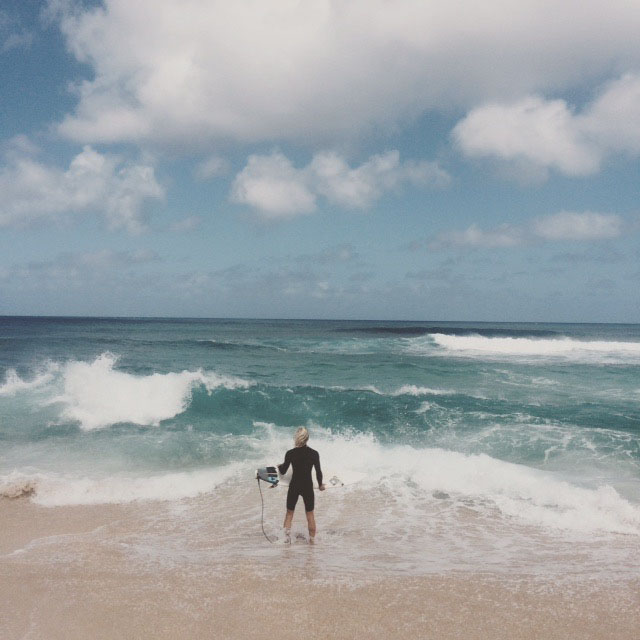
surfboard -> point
(331, 480)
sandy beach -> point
(73, 572)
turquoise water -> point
(537, 424)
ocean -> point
(507, 448)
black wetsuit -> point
(302, 459)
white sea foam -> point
(404, 390)
(14, 384)
(413, 390)
(59, 490)
(411, 480)
(562, 348)
(97, 395)
(528, 495)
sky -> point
(357, 159)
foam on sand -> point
(58, 490)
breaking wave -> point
(412, 330)
(14, 384)
(410, 475)
(532, 496)
(97, 395)
(562, 348)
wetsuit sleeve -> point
(283, 468)
(316, 464)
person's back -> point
(302, 458)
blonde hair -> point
(302, 436)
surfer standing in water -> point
(302, 458)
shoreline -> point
(96, 572)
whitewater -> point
(476, 446)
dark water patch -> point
(601, 416)
(237, 346)
(361, 410)
(122, 343)
(196, 343)
(397, 416)
(399, 331)
(223, 346)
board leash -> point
(262, 513)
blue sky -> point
(407, 160)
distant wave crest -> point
(450, 331)
(594, 351)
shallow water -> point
(505, 447)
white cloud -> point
(613, 120)
(563, 226)
(333, 255)
(22, 40)
(212, 167)
(192, 72)
(75, 269)
(356, 188)
(505, 235)
(108, 258)
(542, 132)
(273, 186)
(93, 182)
(568, 225)
(18, 147)
(548, 134)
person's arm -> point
(284, 467)
(316, 464)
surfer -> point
(302, 458)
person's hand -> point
(322, 487)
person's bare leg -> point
(311, 522)
(287, 525)
(288, 519)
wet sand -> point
(75, 572)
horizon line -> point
(302, 319)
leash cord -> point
(262, 513)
